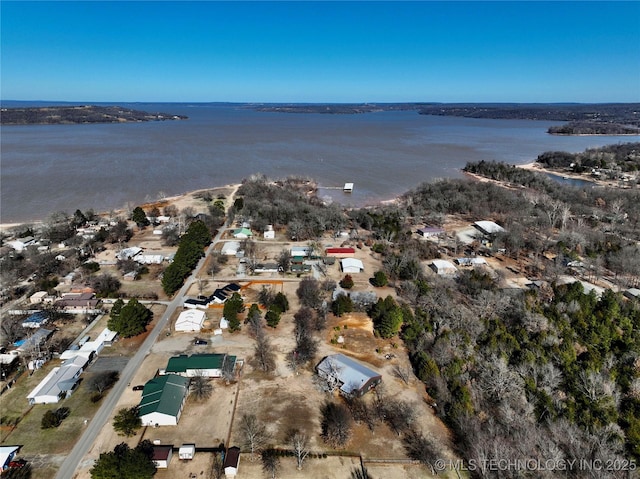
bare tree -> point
(103, 381)
(421, 449)
(309, 293)
(336, 424)
(254, 433)
(299, 441)
(402, 373)
(200, 387)
(400, 416)
(263, 353)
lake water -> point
(48, 168)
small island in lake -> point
(66, 115)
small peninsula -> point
(67, 115)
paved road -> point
(103, 414)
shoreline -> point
(186, 199)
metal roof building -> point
(207, 365)
(162, 400)
(353, 378)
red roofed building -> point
(340, 252)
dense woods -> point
(79, 114)
(622, 157)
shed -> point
(351, 265)
(429, 231)
(187, 451)
(190, 320)
(443, 267)
(162, 456)
(353, 378)
(231, 461)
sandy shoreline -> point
(187, 199)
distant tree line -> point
(622, 157)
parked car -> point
(139, 387)
(200, 342)
(17, 464)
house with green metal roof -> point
(205, 365)
(163, 399)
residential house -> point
(205, 365)
(78, 303)
(230, 248)
(59, 383)
(242, 233)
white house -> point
(38, 297)
(149, 258)
(163, 399)
(190, 320)
(231, 462)
(162, 456)
(59, 383)
(242, 233)
(269, 233)
(443, 267)
(351, 265)
(230, 248)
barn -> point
(162, 400)
(352, 378)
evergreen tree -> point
(132, 319)
(387, 317)
(139, 217)
(127, 421)
(273, 316)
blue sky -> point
(321, 51)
